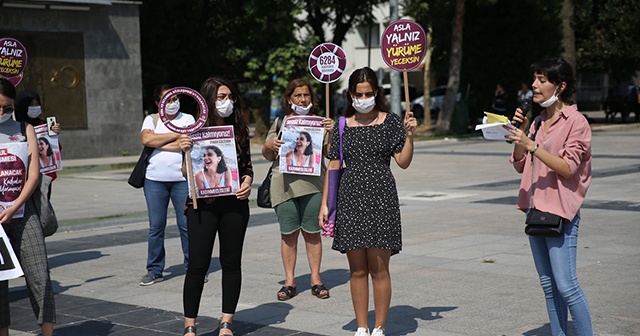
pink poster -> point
(214, 162)
(48, 150)
(13, 173)
(301, 152)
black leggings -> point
(227, 217)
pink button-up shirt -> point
(569, 137)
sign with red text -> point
(301, 152)
(48, 150)
(327, 62)
(13, 174)
(404, 45)
(13, 60)
(214, 162)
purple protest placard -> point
(202, 104)
(327, 62)
(214, 162)
(404, 45)
(13, 60)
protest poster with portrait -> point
(13, 173)
(214, 162)
(301, 152)
(9, 265)
(48, 150)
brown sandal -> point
(320, 291)
(289, 292)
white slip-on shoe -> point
(362, 332)
(378, 332)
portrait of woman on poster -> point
(45, 153)
(302, 154)
(214, 171)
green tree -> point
(607, 37)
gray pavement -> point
(465, 268)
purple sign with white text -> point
(404, 44)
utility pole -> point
(394, 77)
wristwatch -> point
(534, 149)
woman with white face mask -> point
(553, 154)
(367, 227)
(29, 110)
(25, 232)
(296, 198)
(164, 182)
(224, 216)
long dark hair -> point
(557, 70)
(362, 75)
(309, 149)
(209, 91)
(7, 89)
(222, 165)
(49, 150)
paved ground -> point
(465, 268)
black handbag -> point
(546, 224)
(136, 179)
(264, 190)
(44, 208)
(264, 196)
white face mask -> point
(5, 117)
(364, 105)
(299, 110)
(172, 108)
(224, 108)
(34, 111)
(550, 101)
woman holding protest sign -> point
(226, 216)
(163, 183)
(296, 198)
(25, 233)
(367, 225)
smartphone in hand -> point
(51, 121)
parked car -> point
(436, 98)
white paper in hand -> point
(494, 131)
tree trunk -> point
(568, 35)
(448, 105)
(427, 81)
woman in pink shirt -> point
(554, 158)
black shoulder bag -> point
(541, 223)
(136, 179)
(264, 191)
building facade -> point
(84, 60)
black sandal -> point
(317, 291)
(289, 292)
(189, 329)
(226, 325)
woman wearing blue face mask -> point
(367, 227)
(164, 182)
(296, 198)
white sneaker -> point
(362, 332)
(378, 332)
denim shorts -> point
(300, 212)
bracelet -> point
(533, 151)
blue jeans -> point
(555, 260)
(158, 195)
